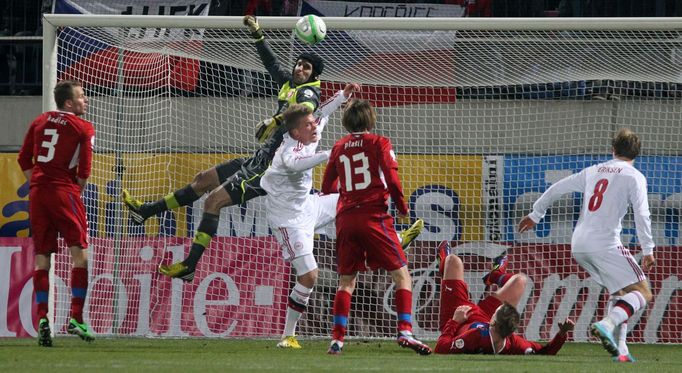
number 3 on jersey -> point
(598, 196)
(49, 145)
(362, 170)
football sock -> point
(626, 306)
(41, 284)
(499, 278)
(341, 311)
(181, 197)
(621, 337)
(207, 229)
(298, 301)
(79, 288)
(403, 307)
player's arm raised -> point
(267, 56)
(334, 103)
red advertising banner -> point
(241, 287)
(244, 282)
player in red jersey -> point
(365, 166)
(487, 327)
(56, 158)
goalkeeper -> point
(237, 181)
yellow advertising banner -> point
(13, 198)
(446, 191)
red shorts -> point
(455, 293)
(367, 239)
(56, 210)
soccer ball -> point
(311, 29)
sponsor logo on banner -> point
(493, 197)
(242, 292)
(374, 9)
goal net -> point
(484, 116)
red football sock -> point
(403, 307)
(79, 288)
(341, 312)
(500, 278)
(41, 285)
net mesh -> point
(482, 121)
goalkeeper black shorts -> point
(241, 179)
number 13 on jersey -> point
(360, 174)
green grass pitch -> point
(70, 354)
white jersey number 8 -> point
(362, 170)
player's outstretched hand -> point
(254, 28)
(526, 224)
(350, 88)
(648, 262)
(461, 314)
(566, 326)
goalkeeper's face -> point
(306, 131)
(302, 71)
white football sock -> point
(620, 336)
(300, 295)
(634, 299)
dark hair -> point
(63, 91)
(315, 60)
(626, 144)
(293, 114)
(359, 116)
(507, 320)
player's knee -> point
(454, 262)
(216, 200)
(520, 279)
(401, 277)
(204, 181)
(80, 262)
(646, 293)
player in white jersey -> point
(608, 189)
(292, 211)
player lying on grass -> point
(365, 167)
(487, 327)
(609, 189)
(237, 181)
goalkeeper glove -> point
(254, 28)
(266, 128)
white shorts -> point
(613, 268)
(298, 240)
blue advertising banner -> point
(526, 177)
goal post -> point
(484, 115)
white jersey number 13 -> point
(362, 170)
